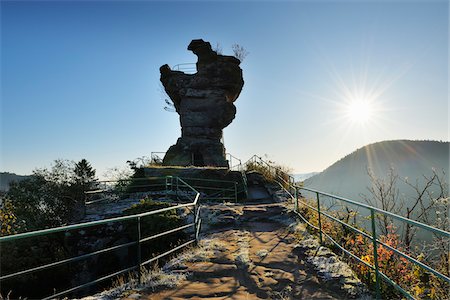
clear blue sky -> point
(81, 79)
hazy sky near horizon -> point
(80, 79)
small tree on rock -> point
(239, 52)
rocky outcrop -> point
(204, 101)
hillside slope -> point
(6, 178)
(348, 177)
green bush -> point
(154, 224)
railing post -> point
(296, 199)
(375, 254)
(319, 218)
(235, 192)
(195, 223)
(167, 193)
(139, 258)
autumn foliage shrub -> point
(418, 282)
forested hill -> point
(6, 178)
(412, 159)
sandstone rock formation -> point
(204, 101)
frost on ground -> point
(206, 249)
(242, 258)
(219, 216)
(331, 269)
(328, 265)
(262, 253)
(151, 279)
(169, 276)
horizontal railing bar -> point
(94, 191)
(89, 283)
(162, 185)
(130, 179)
(92, 223)
(214, 188)
(206, 180)
(166, 233)
(398, 217)
(347, 252)
(312, 207)
(415, 261)
(168, 252)
(77, 258)
(306, 221)
(95, 201)
(348, 225)
(183, 64)
(395, 285)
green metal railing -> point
(374, 237)
(196, 224)
(188, 68)
(289, 185)
(215, 190)
(235, 164)
(283, 179)
(211, 189)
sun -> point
(359, 111)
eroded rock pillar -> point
(204, 101)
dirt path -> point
(258, 260)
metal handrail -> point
(373, 236)
(231, 157)
(375, 241)
(167, 183)
(139, 240)
(189, 68)
(231, 188)
(273, 169)
(379, 210)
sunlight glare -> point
(359, 111)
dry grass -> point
(157, 278)
(125, 285)
(206, 249)
(185, 168)
(7, 297)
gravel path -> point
(260, 258)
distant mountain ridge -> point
(303, 176)
(6, 178)
(412, 159)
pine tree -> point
(84, 174)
